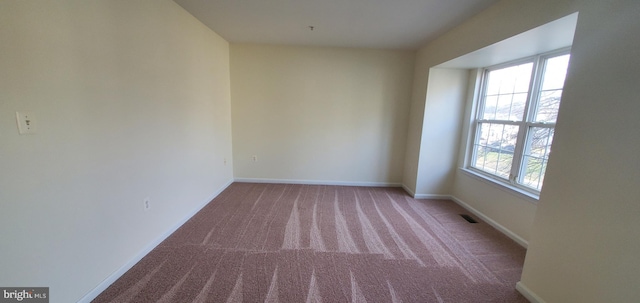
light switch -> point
(26, 122)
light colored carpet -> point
(306, 243)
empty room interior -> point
(320, 151)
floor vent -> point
(468, 218)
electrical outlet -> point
(146, 203)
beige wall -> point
(320, 114)
(132, 100)
(583, 243)
(445, 104)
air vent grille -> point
(468, 218)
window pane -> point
(490, 105)
(536, 156)
(548, 106)
(555, 72)
(494, 148)
(517, 107)
(510, 107)
(506, 92)
(504, 107)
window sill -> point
(518, 192)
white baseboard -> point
(408, 190)
(122, 270)
(431, 196)
(527, 293)
(425, 196)
(317, 182)
(524, 243)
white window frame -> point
(522, 143)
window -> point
(515, 121)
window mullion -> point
(516, 168)
(535, 89)
(506, 122)
(531, 109)
(517, 153)
(478, 114)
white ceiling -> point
(554, 35)
(383, 24)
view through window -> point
(516, 118)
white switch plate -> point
(26, 123)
